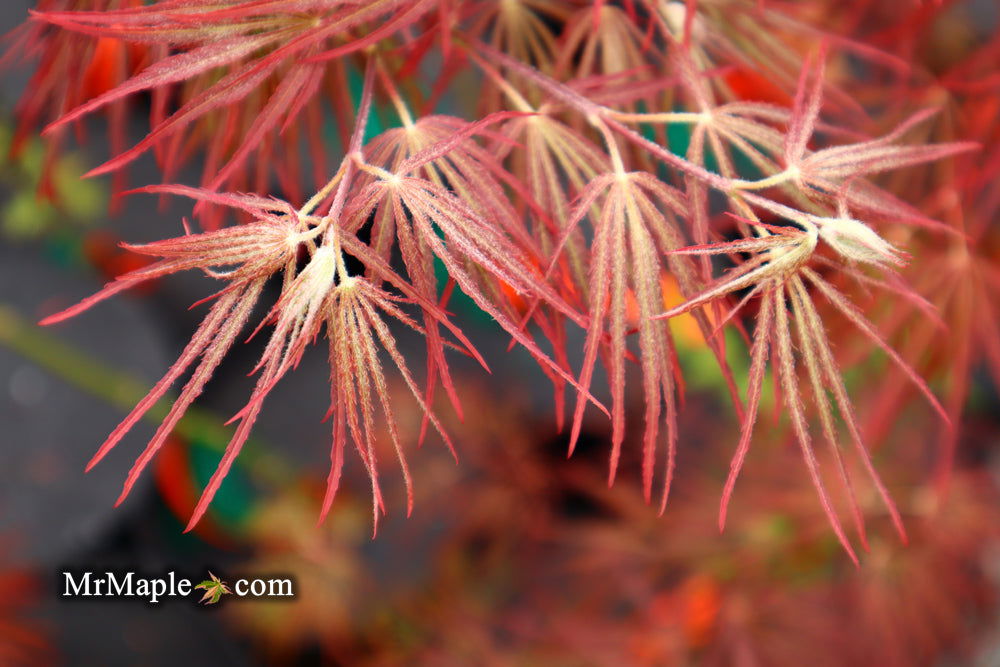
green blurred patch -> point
(76, 202)
(233, 502)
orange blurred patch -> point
(112, 62)
(684, 327)
(701, 600)
(102, 250)
(106, 66)
(677, 622)
(513, 298)
(751, 86)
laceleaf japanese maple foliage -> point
(558, 199)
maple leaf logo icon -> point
(215, 588)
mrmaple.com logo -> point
(111, 584)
